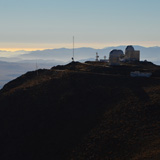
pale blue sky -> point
(94, 23)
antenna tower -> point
(73, 50)
(97, 56)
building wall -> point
(114, 61)
(137, 55)
(132, 55)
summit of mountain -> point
(82, 111)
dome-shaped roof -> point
(116, 53)
(129, 48)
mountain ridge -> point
(50, 57)
(82, 111)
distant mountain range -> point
(64, 54)
(19, 62)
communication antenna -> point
(73, 50)
(97, 56)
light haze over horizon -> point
(42, 24)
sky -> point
(42, 24)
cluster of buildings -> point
(118, 56)
(130, 55)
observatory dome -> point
(129, 48)
(116, 53)
(115, 56)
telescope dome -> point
(130, 48)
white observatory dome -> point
(129, 48)
(116, 53)
(115, 56)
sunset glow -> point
(35, 47)
(38, 25)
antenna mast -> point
(97, 56)
(73, 50)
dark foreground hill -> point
(82, 111)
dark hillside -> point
(82, 111)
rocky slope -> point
(82, 111)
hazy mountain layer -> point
(150, 54)
(12, 70)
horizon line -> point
(41, 49)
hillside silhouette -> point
(82, 111)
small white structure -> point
(131, 54)
(115, 56)
(140, 74)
